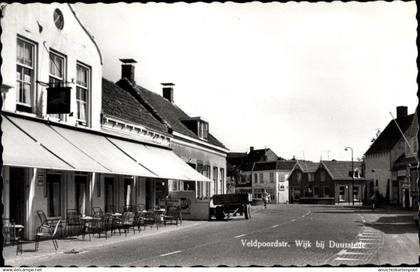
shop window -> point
(342, 193)
(356, 193)
(57, 76)
(25, 74)
(83, 94)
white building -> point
(272, 176)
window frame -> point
(33, 88)
(59, 116)
(88, 89)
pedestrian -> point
(373, 200)
(265, 198)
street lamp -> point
(352, 171)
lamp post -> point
(352, 171)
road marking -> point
(368, 239)
(274, 226)
(345, 259)
(242, 235)
(170, 253)
(293, 220)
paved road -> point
(292, 230)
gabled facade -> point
(390, 148)
(46, 45)
(327, 182)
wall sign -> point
(58, 100)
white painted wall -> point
(35, 23)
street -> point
(286, 234)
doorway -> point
(54, 195)
(17, 195)
(109, 195)
(81, 193)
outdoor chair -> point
(139, 220)
(173, 214)
(159, 217)
(97, 212)
(127, 222)
(47, 231)
(149, 218)
(49, 223)
(73, 220)
(12, 234)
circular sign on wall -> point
(58, 19)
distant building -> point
(244, 184)
(233, 163)
(272, 176)
(391, 163)
(330, 182)
(302, 173)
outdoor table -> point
(86, 221)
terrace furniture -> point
(47, 231)
(127, 222)
(73, 220)
(51, 222)
(149, 218)
(12, 233)
(97, 212)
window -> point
(216, 180)
(57, 76)
(356, 193)
(256, 178)
(25, 74)
(322, 176)
(82, 94)
(272, 177)
(222, 180)
(261, 178)
(203, 130)
(310, 177)
(81, 193)
(282, 178)
(298, 177)
(58, 19)
(342, 196)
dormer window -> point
(198, 126)
(203, 130)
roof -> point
(119, 103)
(254, 156)
(340, 170)
(308, 166)
(166, 112)
(235, 158)
(390, 135)
(286, 165)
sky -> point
(304, 79)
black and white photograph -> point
(211, 135)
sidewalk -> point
(400, 236)
(76, 244)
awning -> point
(165, 163)
(60, 146)
(21, 150)
(103, 152)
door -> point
(54, 195)
(342, 193)
(17, 195)
(81, 193)
(109, 194)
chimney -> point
(251, 148)
(401, 112)
(127, 70)
(168, 91)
